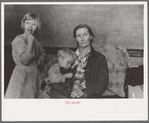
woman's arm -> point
(99, 86)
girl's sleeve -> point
(42, 54)
(54, 75)
(19, 51)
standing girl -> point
(28, 55)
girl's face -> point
(30, 26)
(83, 37)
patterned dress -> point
(26, 79)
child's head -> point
(31, 22)
(66, 57)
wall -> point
(112, 24)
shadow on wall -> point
(101, 39)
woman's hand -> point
(77, 93)
(75, 87)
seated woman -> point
(91, 64)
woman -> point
(93, 64)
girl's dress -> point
(26, 79)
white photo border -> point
(87, 109)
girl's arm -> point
(20, 52)
(30, 39)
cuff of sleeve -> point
(32, 54)
(25, 57)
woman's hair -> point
(83, 26)
(31, 16)
(65, 52)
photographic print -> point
(63, 58)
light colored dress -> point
(26, 78)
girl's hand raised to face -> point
(30, 38)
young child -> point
(28, 55)
(59, 75)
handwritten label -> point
(73, 102)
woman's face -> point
(30, 26)
(83, 37)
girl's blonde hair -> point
(31, 16)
